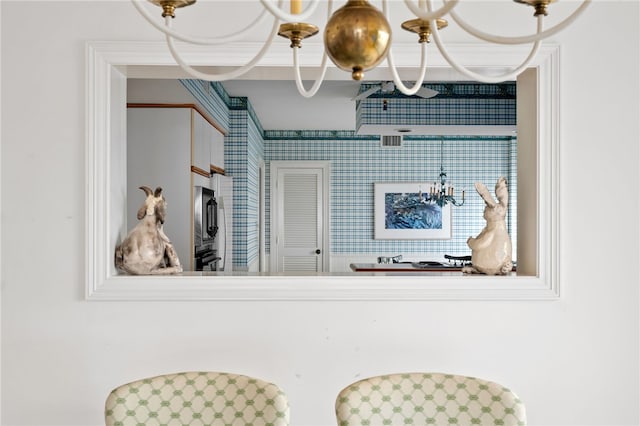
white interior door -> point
(299, 216)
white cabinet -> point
(169, 147)
(202, 139)
(217, 153)
(207, 153)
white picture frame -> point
(402, 213)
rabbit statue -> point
(491, 249)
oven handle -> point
(212, 218)
(222, 240)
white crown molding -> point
(106, 71)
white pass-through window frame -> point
(108, 64)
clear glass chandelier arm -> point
(229, 38)
(480, 77)
(396, 77)
(226, 76)
(522, 39)
(288, 17)
(317, 83)
(429, 15)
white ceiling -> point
(276, 101)
(279, 106)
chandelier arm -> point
(428, 15)
(396, 77)
(480, 77)
(229, 38)
(288, 17)
(317, 83)
(522, 39)
(226, 76)
(323, 66)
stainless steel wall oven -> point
(205, 229)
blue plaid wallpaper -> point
(357, 162)
(451, 112)
(255, 156)
(235, 161)
(244, 152)
(213, 98)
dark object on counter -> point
(428, 264)
(453, 262)
(401, 267)
(386, 259)
(464, 258)
(458, 260)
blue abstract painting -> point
(402, 213)
(410, 211)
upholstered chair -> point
(197, 398)
(428, 399)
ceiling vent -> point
(391, 141)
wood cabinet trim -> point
(199, 171)
(216, 169)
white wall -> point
(573, 361)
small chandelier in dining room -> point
(442, 192)
(357, 36)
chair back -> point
(197, 398)
(428, 399)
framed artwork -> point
(400, 213)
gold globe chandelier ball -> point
(357, 37)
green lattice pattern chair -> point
(197, 398)
(428, 399)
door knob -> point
(318, 251)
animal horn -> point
(146, 190)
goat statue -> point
(147, 250)
(491, 249)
